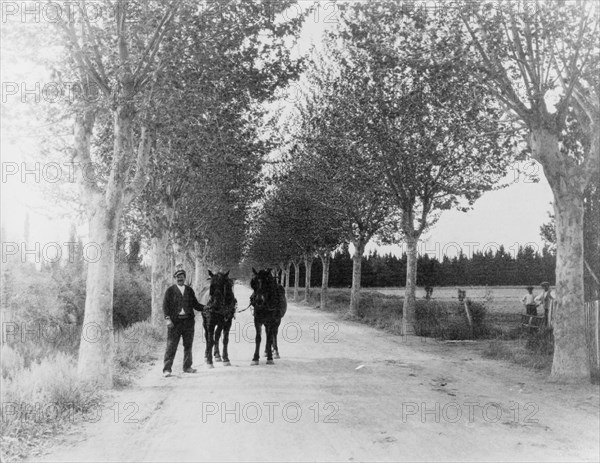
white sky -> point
(509, 216)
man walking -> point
(178, 307)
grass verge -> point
(531, 350)
(506, 339)
(44, 398)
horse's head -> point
(265, 287)
(221, 290)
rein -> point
(240, 311)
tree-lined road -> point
(410, 400)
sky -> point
(510, 216)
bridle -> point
(225, 308)
(266, 286)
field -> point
(499, 299)
(503, 303)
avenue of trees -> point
(400, 113)
(408, 111)
(166, 117)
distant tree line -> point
(499, 267)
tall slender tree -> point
(341, 163)
(118, 57)
(434, 129)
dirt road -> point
(341, 392)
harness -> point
(273, 300)
(272, 307)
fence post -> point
(592, 328)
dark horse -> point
(217, 316)
(270, 305)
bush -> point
(441, 319)
(132, 301)
(44, 311)
(376, 309)
(446, 320)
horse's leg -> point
(205, 337)
(226, 329)
(257, 328)
(269, 329)
(219, 328)
(275, 332)
(210, 343)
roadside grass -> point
(384, 311)
(378, 310)
(499, 331)
(45, 397)
(134, 346)
(41, 401)
(532, 350)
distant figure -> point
(462, 294)
(529, 302)
(544, 299)
(428, 292)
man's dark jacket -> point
(174, 301)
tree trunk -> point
(200, 269)
(287, 278)
(570, 349)
(172, 259)
(296, 279)
(96, 350)
(190, 266)
(308, 261)
(160, 275)
(359, 249)
(410, 298)
(325, 259)
(570, 360)
(179, 256)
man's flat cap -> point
(179, 272)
